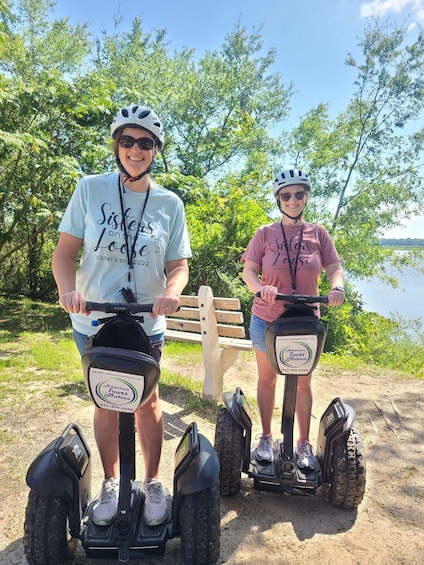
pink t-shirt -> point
(267, 250)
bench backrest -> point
(191, 316)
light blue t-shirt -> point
(94, 214)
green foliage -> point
(222, 112)
(224, 106)
(46, 135)
(221, 225)
(366, 169)
(190, 189)
(217, 109)
(59, 91)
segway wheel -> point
(200, 526)
(229, 445)
(348, 477)
(47, 539)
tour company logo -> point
(115, 390)
(296, 354)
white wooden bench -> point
(218, 325)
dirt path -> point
(265, 528)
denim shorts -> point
(156, 342)
(257, 333)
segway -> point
(120, 375)
(294, 343)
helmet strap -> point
(128, 176)
(295, 218)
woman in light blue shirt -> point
(132, 235)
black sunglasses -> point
(145, 143)
(285, 196)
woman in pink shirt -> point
(287, 257)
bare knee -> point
(267, 377)
(152, 406)
(304, 384)
(104, 416)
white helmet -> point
(289, 177)
(138, 116)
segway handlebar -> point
(118, 308)
(299, 298)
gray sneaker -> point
(305, 456)
(106, 506)
(156, 504)
(263, 451)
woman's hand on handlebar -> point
(165, 305)
(268, 293)
(335, 297)
(73, 302)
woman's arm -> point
(64, 262)
(336, 277)
(251, 271)
(176, 280)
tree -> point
(220, 227)
(226, 106)
(60, 91)
(367, 163)
(47, 125)
(217, 111)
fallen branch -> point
(373, 424)
(388, 424)
(396, 411)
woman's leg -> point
(149, 423)
(265, 391)
(304, 407)
(106, 433)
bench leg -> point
(214, 373)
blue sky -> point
(312, 38)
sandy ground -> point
(259, 527)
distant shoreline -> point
(408, 243)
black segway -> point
(120, 375)
(294, 343)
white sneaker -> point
(155, 504)
(305, 455)
(106, 506)
(263, 451)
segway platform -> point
(120, 375)
(294, 343)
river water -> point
(406, 301)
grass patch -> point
(22, 314)
(174, 380)
(5, 438)
(38, 357)
(40, 365)
(410, 471)
(179, 349)
(187, 393)
(338, 363)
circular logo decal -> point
(296, 354)
(118, 392)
